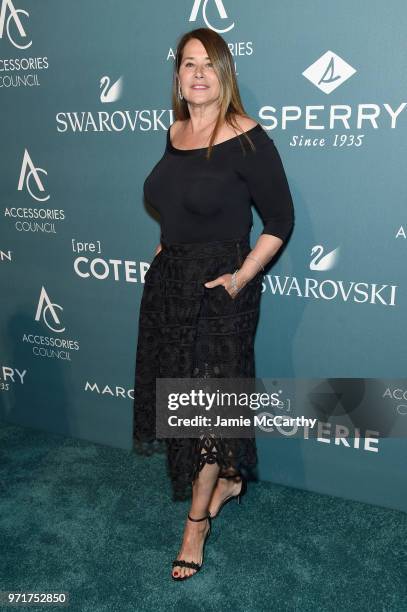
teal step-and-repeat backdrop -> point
(85, 105)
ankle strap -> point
(196, 520)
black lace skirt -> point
(187, 330)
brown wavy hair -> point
(222, 60)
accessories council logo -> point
(12, 25)
(221, 11)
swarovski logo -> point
(330, 288)
(110, 93)
(25, 176)
(13, 19)
(221, 11)
(44, 307)
(328, 72)
(322, 263)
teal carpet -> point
(99, 523)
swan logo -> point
(110, 93)
(47, 309)
(18, 31)
(221, 11)
(28, 170)
(324, 263)
(328, 72)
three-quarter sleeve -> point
(267, 183)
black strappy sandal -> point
(192, 564)
(238, 497)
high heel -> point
(192, 564)
(238, 497)
(242, 490)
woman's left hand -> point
(226, 281)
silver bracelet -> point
(256, 260)
(233, 281)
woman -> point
(200, 303)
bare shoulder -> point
(245, 123)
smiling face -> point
(197, 77)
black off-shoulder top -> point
(202, 201)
